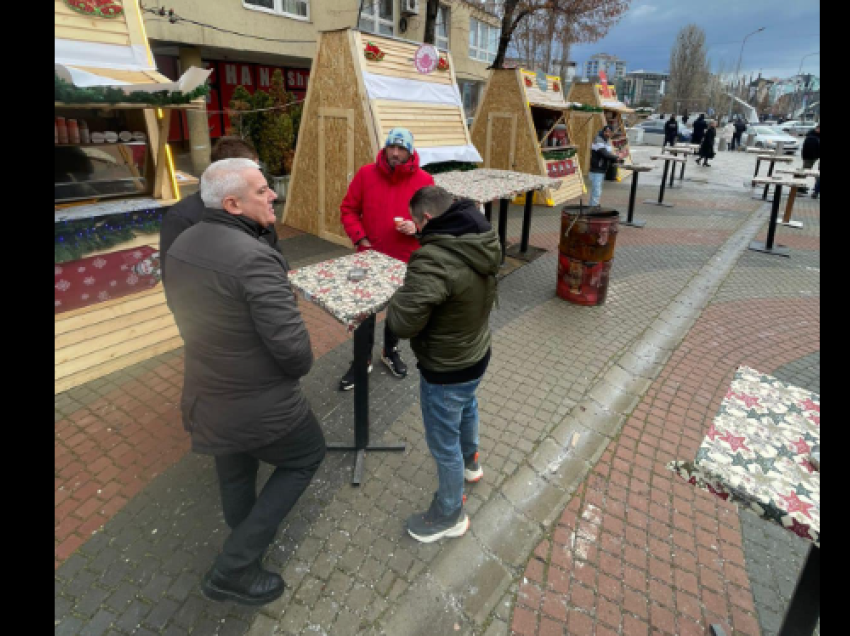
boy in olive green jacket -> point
(444, 309)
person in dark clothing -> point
(706, 149)
(810, 154)
(685, 118)
(186, 212)
(246, 348)
(671, 132)
(601, 157)
(444, 308)
(700, 126)
(740, 128)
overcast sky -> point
(646, 34)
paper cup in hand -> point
(398, 221)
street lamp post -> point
(738, 68)
(799, 73)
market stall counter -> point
(353, 289)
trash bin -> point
(611, 174)
(586, 254)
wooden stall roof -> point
(550, 98)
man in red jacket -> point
(380, 193)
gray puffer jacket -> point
(246, 343)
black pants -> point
(390, 339)
(254, 519)
(736, 140)
(669, 140)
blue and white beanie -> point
(400, 137)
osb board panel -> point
(583, 93)
(500, 140)
(336, 173)
(582, 128)
(504, 94)
(398, 61)
(332, 85)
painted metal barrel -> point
(586, 254)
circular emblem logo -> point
(426, 58)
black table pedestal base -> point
(359, 460)
(363, 337)
(666, 205)
(633, 223)
(803, 611)
(776, 250)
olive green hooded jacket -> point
(449, 290)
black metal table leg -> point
(503, 225)
(661, 191)
(768, 247)
(488, 211)
(630, 218)
(682, 173)
(362, 353)
(672, 174)
(526, 221)
(803, 611)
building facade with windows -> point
(644, 87)
(245, 41)
(614, 67)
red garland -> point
(102, 8)
(373, 53)
(443, 64)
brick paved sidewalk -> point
(640, 551)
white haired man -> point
(246, 347)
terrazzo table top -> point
(350, 302)
(486, 184)
(757, 452)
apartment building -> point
(614, 67)
(245, 41)
(644, 87)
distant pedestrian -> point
(685, 118)
(740, 127)
(700, 126)
(671, 131)
(811, 155)
(726, 136)
(706, 149)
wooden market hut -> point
(101, 177)
(515, 127)
(352, 102)
(583, 126)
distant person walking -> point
(740, 127)
(726, 136)
(671, 132)
(811, 155)
(706, 149)
(700, 126)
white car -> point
(799, 129)
(767, 136)
(653, 132)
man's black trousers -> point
(254, 519)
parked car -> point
(653, 132)
(767, 136)
(799, 128)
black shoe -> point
(347, 382)
(472, 471)
(707, 165)
(394, 362)
(433, 525)
(815, 195)
(254, 586)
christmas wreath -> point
(373, 53)
(102, 8)
(556, 87)
(528, 82)
(443, 64)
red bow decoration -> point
(528, 81)
(372, 52)
(443, 64)
(556, 86)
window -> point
(483, 41)
(291, 8)
(378, 17)
(443, 23)
(470, 91)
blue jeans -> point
(450, 415)
(596, 179)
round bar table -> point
(636, 168)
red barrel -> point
(586, 253)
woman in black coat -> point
(706, 150)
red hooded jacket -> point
(375, 196)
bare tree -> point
(688, 69)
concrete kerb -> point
(509, 526)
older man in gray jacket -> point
(246, 348)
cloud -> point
(642, 11)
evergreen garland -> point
(449, 166)
(75, 238)
(557, 155)
(586, 108)
(67, 93)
